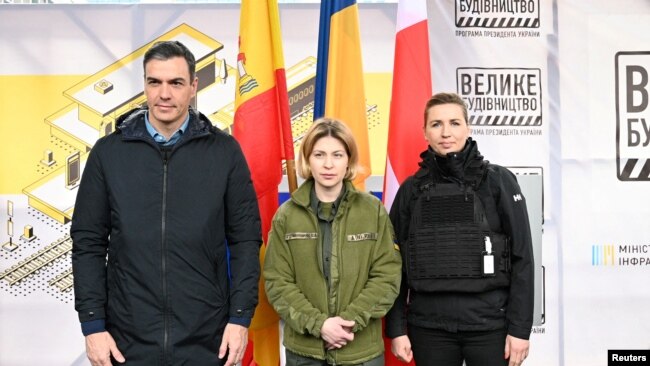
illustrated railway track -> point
(36, 261)
(63, 281)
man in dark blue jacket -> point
(166, 231)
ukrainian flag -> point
(339, 75)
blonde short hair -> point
(322, 127)
(446, 98)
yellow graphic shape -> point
(609, 256)
(65, 125)
(377, 88)
(24, 102)
(51, 196)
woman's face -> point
(328, 162)
(446, 130)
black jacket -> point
(155, 235)
(509, 308)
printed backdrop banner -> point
(605, 178)
(557, 90)
(65, 76)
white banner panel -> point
(605, 235)
(494, 54)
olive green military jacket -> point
(365, 274)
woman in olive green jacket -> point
(331, 268)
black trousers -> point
(434, 347)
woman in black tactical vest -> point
(463, 230)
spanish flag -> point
(339, 75)
(262, 126)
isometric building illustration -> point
(40, 258)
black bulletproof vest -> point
(446, 243)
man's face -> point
(169, 91)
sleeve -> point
(514, 218)
(400, 217)
(382, 287)
(89, 231)
(244, 236)
(281, 288)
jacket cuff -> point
(93, 326)
(244, 322)
(394, 327)
(91, 314)
(519, 332)
(237, 311)
(318, 325)
(394, 332)
(349, 316)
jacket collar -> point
(302, 195)
(466, 166)
(131, 124)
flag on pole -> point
(262, 125)
(411, 90)
(339, 75)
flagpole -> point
(291, 175)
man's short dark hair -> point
(165, 50)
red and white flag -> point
(411, 90)
(262, 126)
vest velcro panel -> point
(447, 242)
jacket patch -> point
(362, 236)
(294, 236)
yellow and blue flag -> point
(339, 75)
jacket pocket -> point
(491, 305)
(304, 252)
(357, 257)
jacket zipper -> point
(339, 250)
(316, 224)
(163, 261)
(163, 256)
(163, 244)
